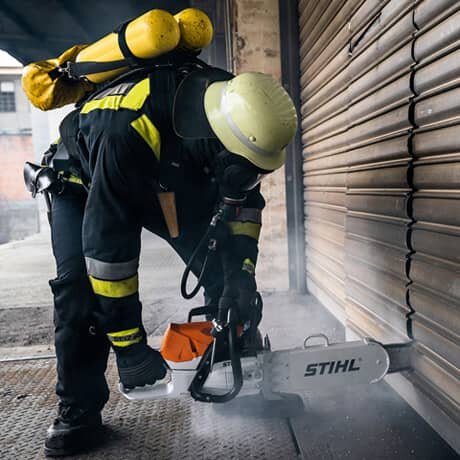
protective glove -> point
(240, 285)
(241, 291)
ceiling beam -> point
(25, 28)
(23, 57)
(18, 37)
(26, 49)
(73, 9)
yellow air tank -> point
(154, 33)
(196, 29)
(150, 35)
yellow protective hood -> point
(46, 92)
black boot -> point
(139, 365)
(74, 431)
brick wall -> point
(18, 211)
(256, 47)
(14, 151)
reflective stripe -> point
(245, 228)
(109, 102)
(122, 89)
(111, 271)
(71, 178)
(149, 133)
(135, 99)
(249, 266)
(249, 215)
(115, 289)
(225, 108)
(74, 180)
(125, 338)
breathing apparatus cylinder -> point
(55, 82)
(150, 35)
(196, 29)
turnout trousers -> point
(96, 244)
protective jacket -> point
(124, 145)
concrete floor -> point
(357, 423)
(26, 302)
(25, 297)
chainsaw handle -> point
(204, 369)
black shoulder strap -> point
(163, 83)
(76, 70)
(68, 130)
(122, 43)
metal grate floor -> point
(170, 429)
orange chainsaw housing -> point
(184, 342)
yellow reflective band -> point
(135, 99)
(56, 141)
(125, 338)
(149, 133)
(74, 180)
(106, 103)
(115, 289)
(245, 228)
(248, 266)
(124, 333)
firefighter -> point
(158, 151)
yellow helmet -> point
(253, 116)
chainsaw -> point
(216, 361)
(218, 368)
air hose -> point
(210, 238)
(225, 212)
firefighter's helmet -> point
(253, 116)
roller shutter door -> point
(380, 109)
(434, 293)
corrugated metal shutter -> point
(355, 68)
(380, 126)
(435, 265)
(325, 29)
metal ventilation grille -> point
(435, 266)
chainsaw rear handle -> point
(196, 387)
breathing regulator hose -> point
(210, 239)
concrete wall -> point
(19, 121)
(256, 47)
